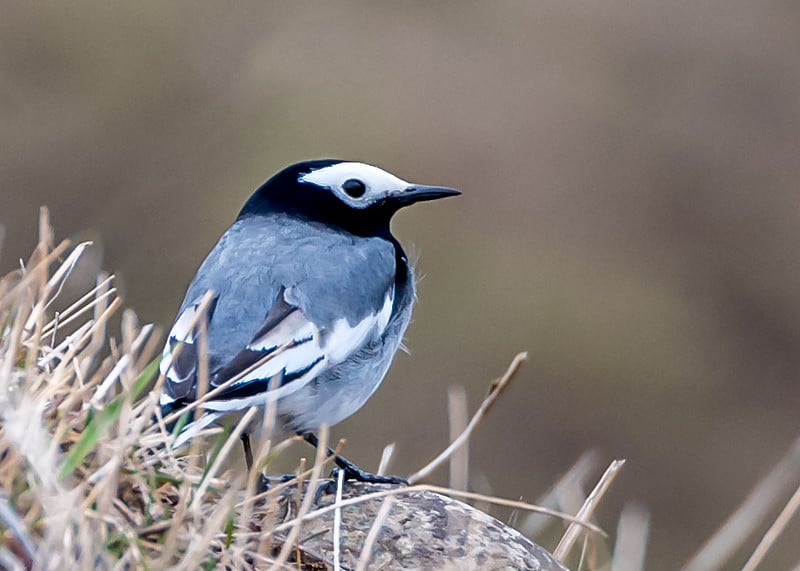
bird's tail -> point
(190, 430)
(190, 423)
(170, 407)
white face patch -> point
(377, 181)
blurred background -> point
(630, 212)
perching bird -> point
(310, 296)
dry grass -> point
(88, 477)
(89, 480)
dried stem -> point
(495, 391)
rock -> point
(423, 530)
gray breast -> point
(342, 390)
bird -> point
(303, 302)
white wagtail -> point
(311, 296)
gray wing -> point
(290, 298)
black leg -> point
(248, 451)
(351, 471)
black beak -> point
(420, 193)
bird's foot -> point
(266, 482)
(351, 472)
(354, 473)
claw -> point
(265, 483)
(324, 488)
(354, 473)
(351, 471)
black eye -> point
(354, 187)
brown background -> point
(630, 211)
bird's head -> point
(354, 195)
